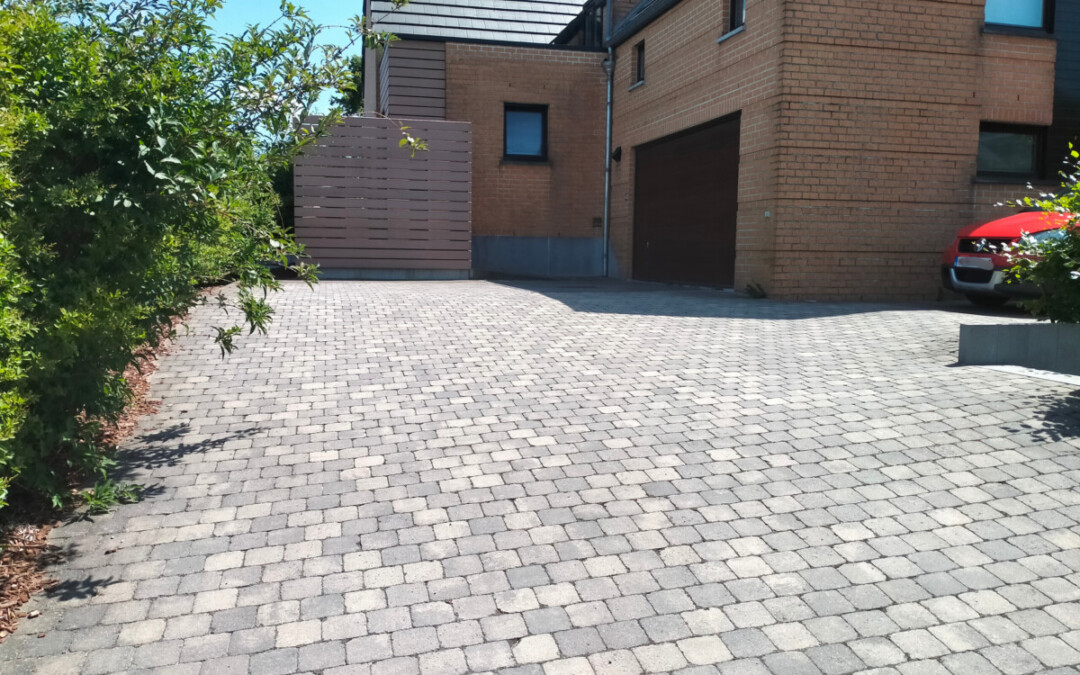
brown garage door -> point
(685, 201)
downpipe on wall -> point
(609, 69)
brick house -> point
(819, 148)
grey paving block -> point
(536, 477)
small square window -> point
(1010, 151)
(639, 69)
(1017, 13)
(738, 14)
(525, 131)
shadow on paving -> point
(601, 296)
(1057, 418)
(160, 449)
(79, 589)
(147, 453)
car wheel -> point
(987, 300)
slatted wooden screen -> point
(383, 80)
(363, 203)
(417, 80)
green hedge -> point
(137, 156)
(1052, 263)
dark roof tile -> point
(527, 21)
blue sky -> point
(238, 14)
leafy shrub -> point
(350, 97)
(1050, 261)
(137, 153)
(106, 493)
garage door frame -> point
(685, 217)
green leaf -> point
(97, 259)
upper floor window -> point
(738, 14)
(525, 131)
(1020, 13)
(1010, 151)
(639, 63)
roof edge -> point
(569, 29)
(638, 18)
(498, 43)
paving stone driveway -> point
(573, 478)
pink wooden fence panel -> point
(363, 203)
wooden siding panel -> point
(384, 82)
(348, 178)
(361, 202)
(417, 80)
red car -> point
(975, 265)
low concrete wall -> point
(545, 257)
(1044, 346)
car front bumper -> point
(984, 282)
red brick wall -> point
(562, 197)
(860, 131)
(880, 136)
(1017, 87)
(689, 80)
(988, 196)
(879, 127)
(1017, 79)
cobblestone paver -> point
(555, 478)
